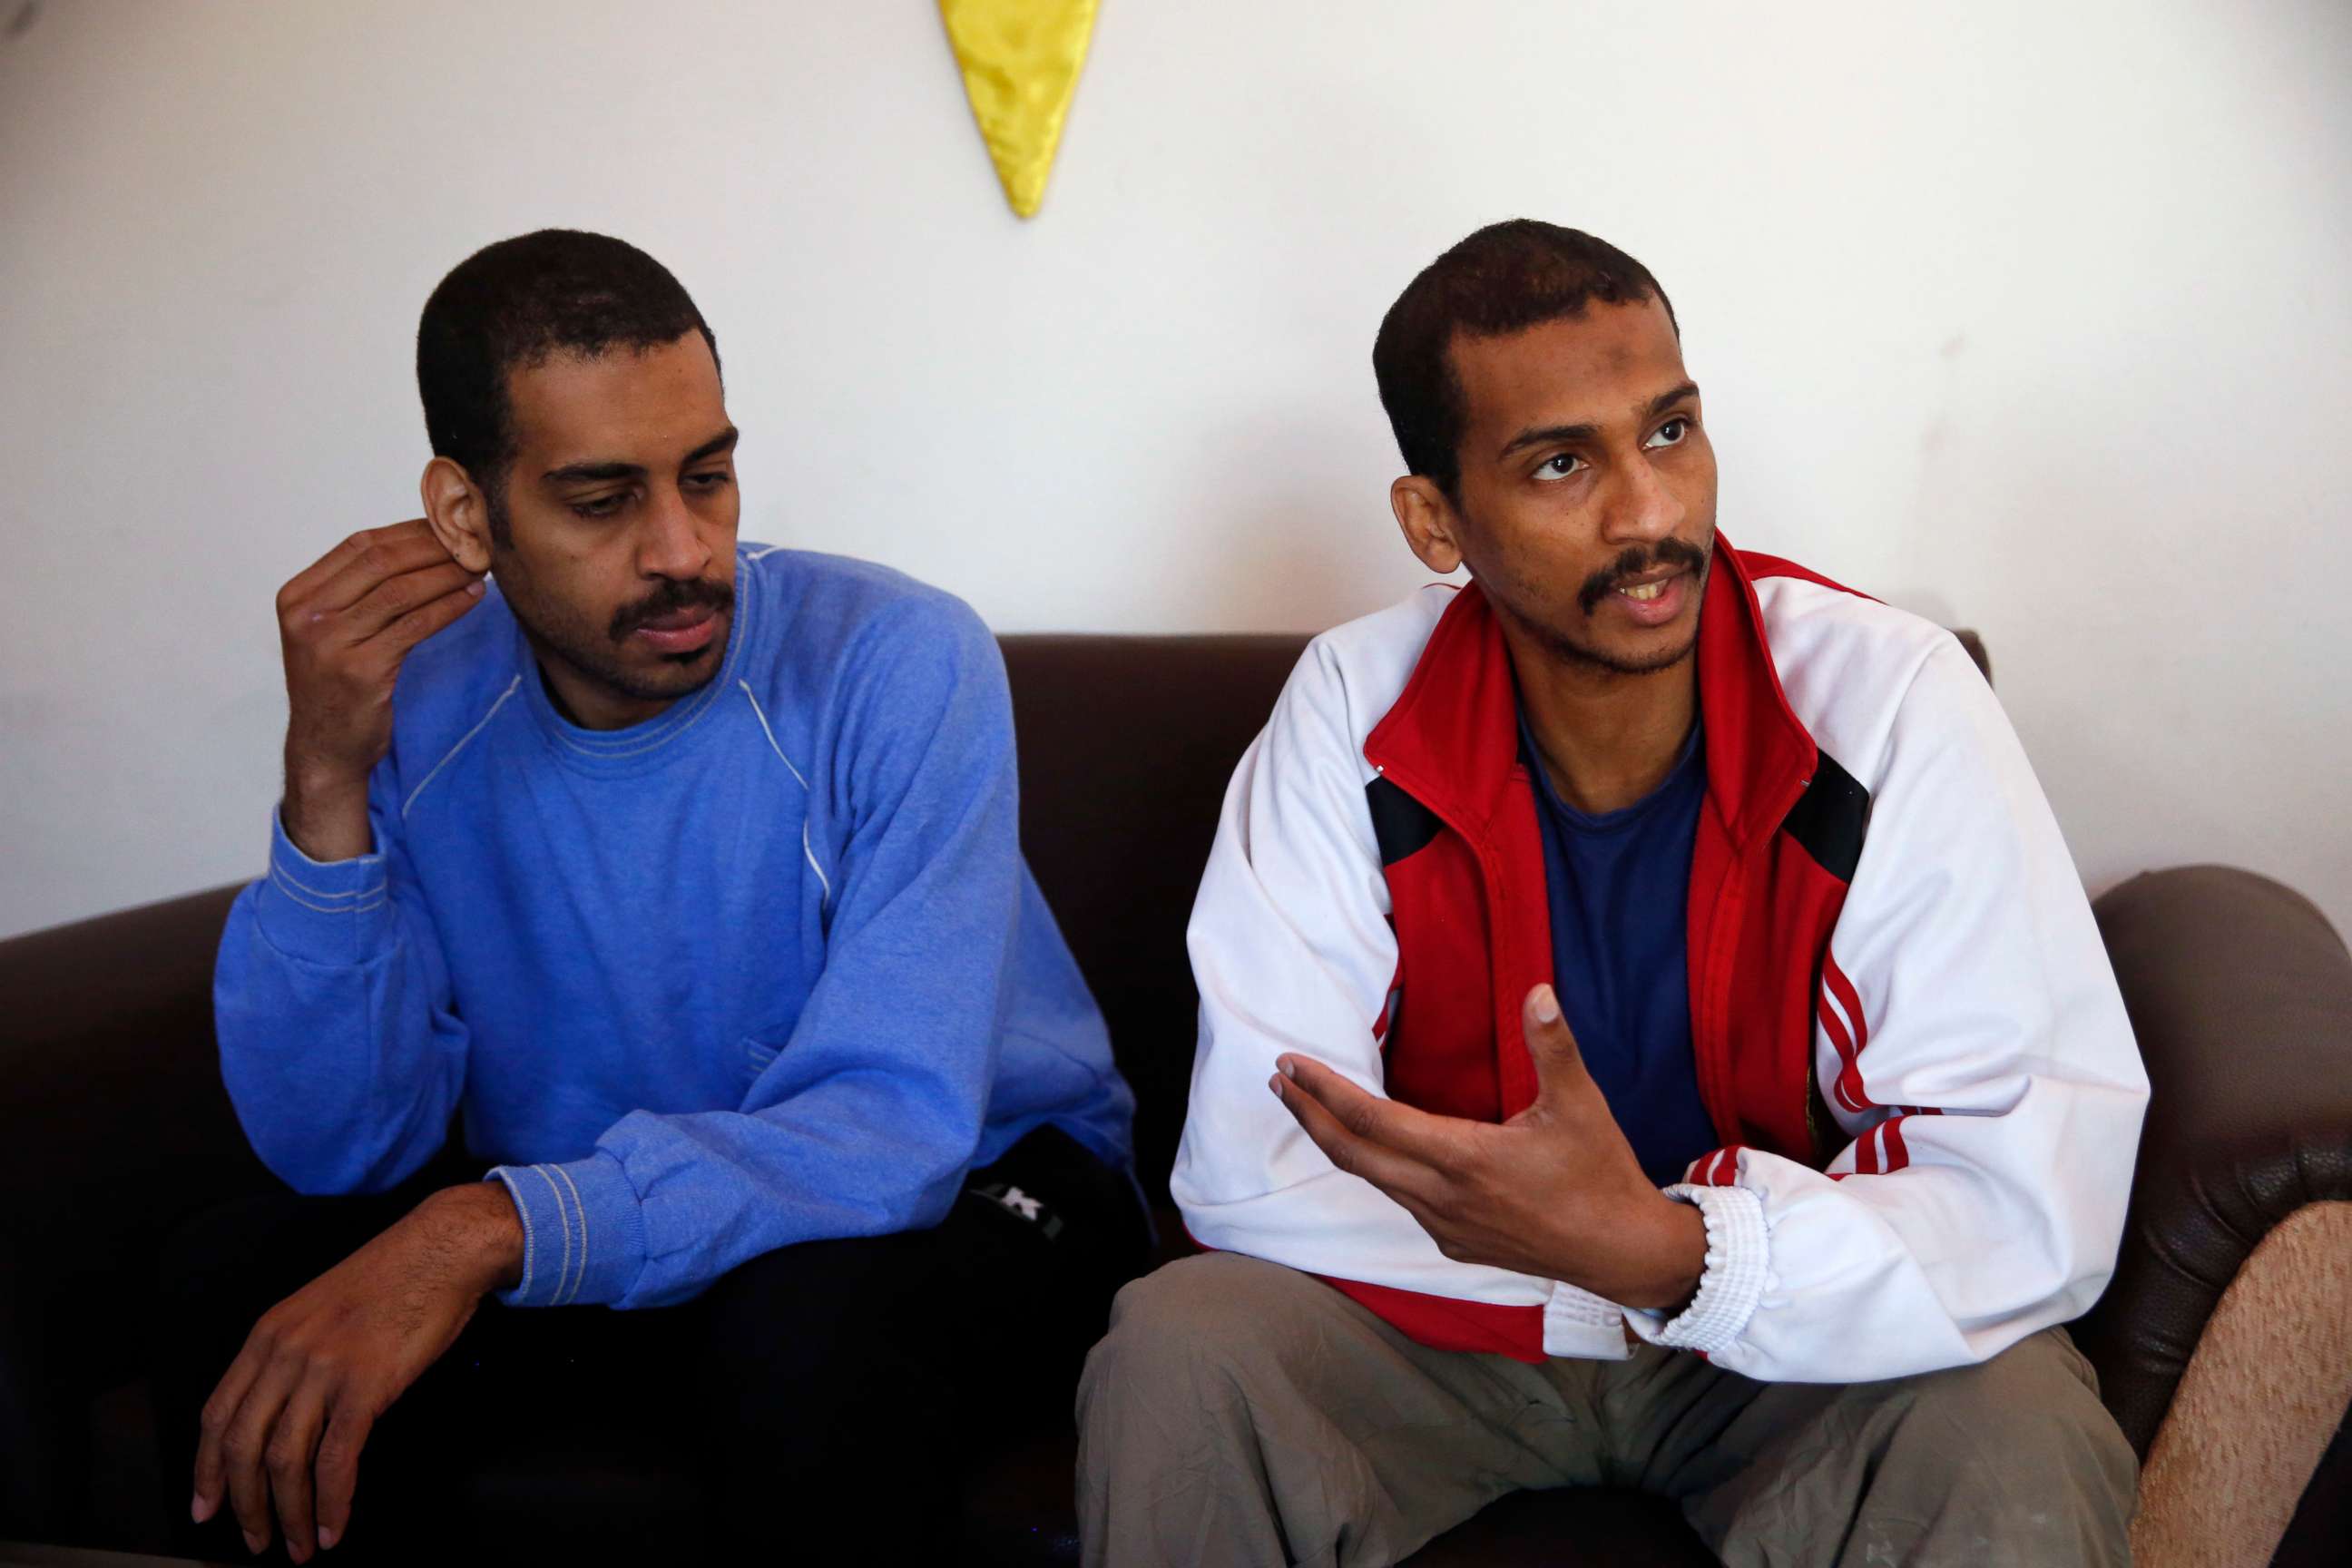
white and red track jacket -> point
(1905, 1024)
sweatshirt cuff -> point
(583, 1232)
(1737, 1255)
(322, 911)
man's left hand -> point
(283, 1431)
(1554, 1191)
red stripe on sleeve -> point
(1848, 1086)
(1718, 1169)
(1847, 999)
(1897, 1154)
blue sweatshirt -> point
(767, 968)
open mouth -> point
(1653, 598)
(1649, 584)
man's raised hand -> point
(346, 622)
(1555, 1192)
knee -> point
(1192, 1325)
(2034, 1413)
(2035, 1381)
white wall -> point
(2034, 316)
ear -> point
(1428, 520)
(458, 512)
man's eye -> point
(1670, 434)
(711, 481)
(1560, 466)
(601, 506)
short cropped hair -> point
(1504, 279)
(515, 305)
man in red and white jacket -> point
(1693, 1063)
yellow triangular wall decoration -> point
(1020, 61)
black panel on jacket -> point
(1399, 822)
(1830, 818)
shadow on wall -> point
(1307, 540)
(1929, 604)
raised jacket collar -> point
(1452, 740)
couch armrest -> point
(114, 1122)
(2241, 994)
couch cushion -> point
(1126, 747)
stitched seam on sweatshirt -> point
(278, 868)
(530, 1242)
(808, 852)
(278, 880)
(512, 687)
(563, 1270)
(581, 1277)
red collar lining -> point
(1451, 739)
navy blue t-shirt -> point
(1620, 886)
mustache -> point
(668, 599)
(1679, 553)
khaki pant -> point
(1240, 1413)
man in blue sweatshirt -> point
(684, 874)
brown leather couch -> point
(2214, 1344)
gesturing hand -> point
(346, 622)
(287, 1423)
(1554, 1191)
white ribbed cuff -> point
(1739, 1250)
(1580, 1323)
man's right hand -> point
(347, 621)
(282, 1433)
